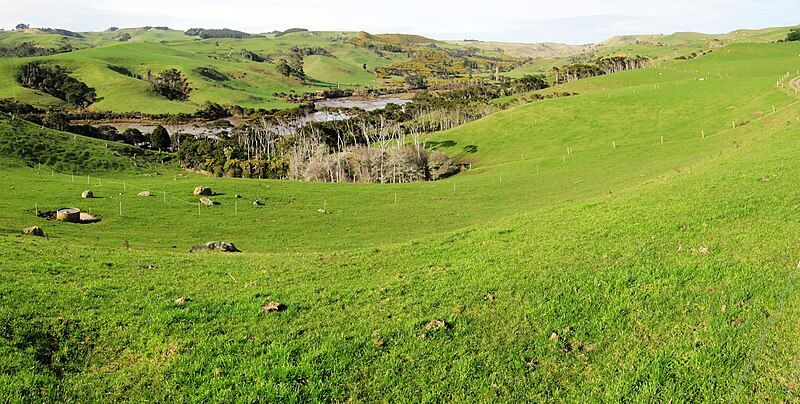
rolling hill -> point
(635, 242)
(331, 60)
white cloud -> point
(575, 21)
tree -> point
(416, 82)
(56, 120)
(794, 35)
(284, 69)
(170, 84)
(133, 136)
(159, 139)
(22, 27)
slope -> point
(681, 288)
(614, 131)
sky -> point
(571, 21)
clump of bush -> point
(56, 82)
(216, 33)
(211, 74)
(28, 49)
(123, 71)
(292, 67)
(252, 56)
(62, 32)
(288, 31)
(170, 84)
(793, 35)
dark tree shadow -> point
(434, 144)
(470, 149)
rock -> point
(223, 246)
(34, 231)
(273, 307)
(88, 218)
(87, 194)
(323, 211)
(203, 191)
(258, 203)
(238, 196)
(554, 336)
(489, 297)
(145, 194)
(181, 301)
(437, 325)
(207, 202)
(704, 250)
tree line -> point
(28, 49)
(216, 33)
(598, 67)
(56, 82)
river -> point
(204, 130)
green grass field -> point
(657, 261)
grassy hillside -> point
(23, 144)
(656, 47)
(631, 269)
(250, 84)
(334, 60)
(543, 50)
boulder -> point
(239, 196)
(34, 231)
(203, 191)
(258, 203)
(207, 202)
(145, 194)
(181, 301)
(437, 325)
(223, 246)
(87, 194)
(273, 307)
